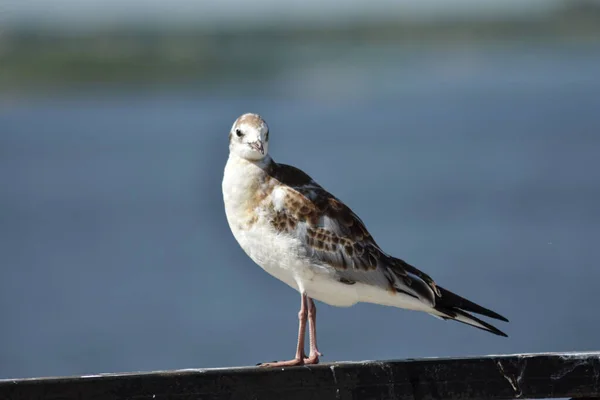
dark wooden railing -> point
(555, 375)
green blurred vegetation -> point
(37, 59)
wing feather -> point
(334, 235)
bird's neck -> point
(244, 184)
(244, 177)
(253, 168)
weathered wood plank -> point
(564, 375)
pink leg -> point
(313, 357)
(300, 355)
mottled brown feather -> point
(343, 242)
(333, 234)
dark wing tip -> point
(489, 327)
(501, 318)
(452, 314)
(494, 330)
(453, 300)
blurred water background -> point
(467, 141)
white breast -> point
(277, 254)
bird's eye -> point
(267, 136)
(238, 133)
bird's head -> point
(249, 137)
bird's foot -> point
(289, 363)
(313, 358)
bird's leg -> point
(313, 357)
(300, 357)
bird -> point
(306, 237)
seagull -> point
(301, 234)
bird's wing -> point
(333, 235)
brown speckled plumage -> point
(330, 230)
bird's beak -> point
(258, 146)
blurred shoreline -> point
(468, 146)
(42, 59)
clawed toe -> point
(289, 363)
(262, 364)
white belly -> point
(283, 257)
(275, 254)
